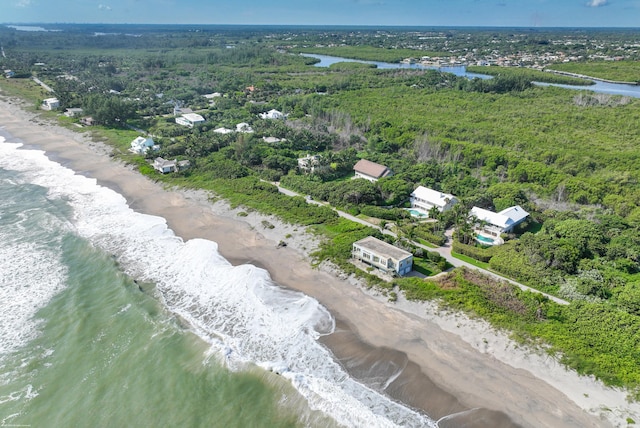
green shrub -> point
(478, 253)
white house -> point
(212, 95)
(370, 170)
(190, 119)
(272, 140)
(272, 114)
(223, 130)
(141, 145)
(244, 128)
(73, 112)
(50, 104)
(498, 223)
(9, 74)
(424, 198)
(164, 166)
(383, 256)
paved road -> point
(444, 251)
(44, 85)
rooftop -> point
(382, 249)
(434, 197)
(505, 218)
(371, 169)
(193, 117)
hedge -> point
(481, 254)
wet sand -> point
(400, 348)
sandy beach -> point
(451, 364)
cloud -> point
(597, 3)
(23, 3)
(104, 7)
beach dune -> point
(454, 368)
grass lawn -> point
(471, 261)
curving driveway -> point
(444, 251)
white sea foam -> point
(245, 317)
(30, 274)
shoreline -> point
(450, 363)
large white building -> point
(142, 144)
(424, 198)
(50, 104)
(385, 257)
(498, 223)
(190, 119)
(273, 114)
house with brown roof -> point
(370, 170)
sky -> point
(492, 13)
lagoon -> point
(460, 70)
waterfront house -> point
(73, 112)
(370, 170)
(494, 224)
(424, 199)
(142, 144)
(50, 104)
(164, 166)
(190, 120)
(380, 255)
(272, 114)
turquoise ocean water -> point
(108, 319)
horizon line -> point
(323, 25)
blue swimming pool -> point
(485, 239)
(419, 214)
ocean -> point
(108, 319)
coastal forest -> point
(569, 156)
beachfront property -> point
(424, 199)
(141, 145)
(73, 112)
(50, 104)
(370, 170)
(190, 119)
(491, 225)
(244, 127)
(164, 166)
(272, 114)
(382, 256)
